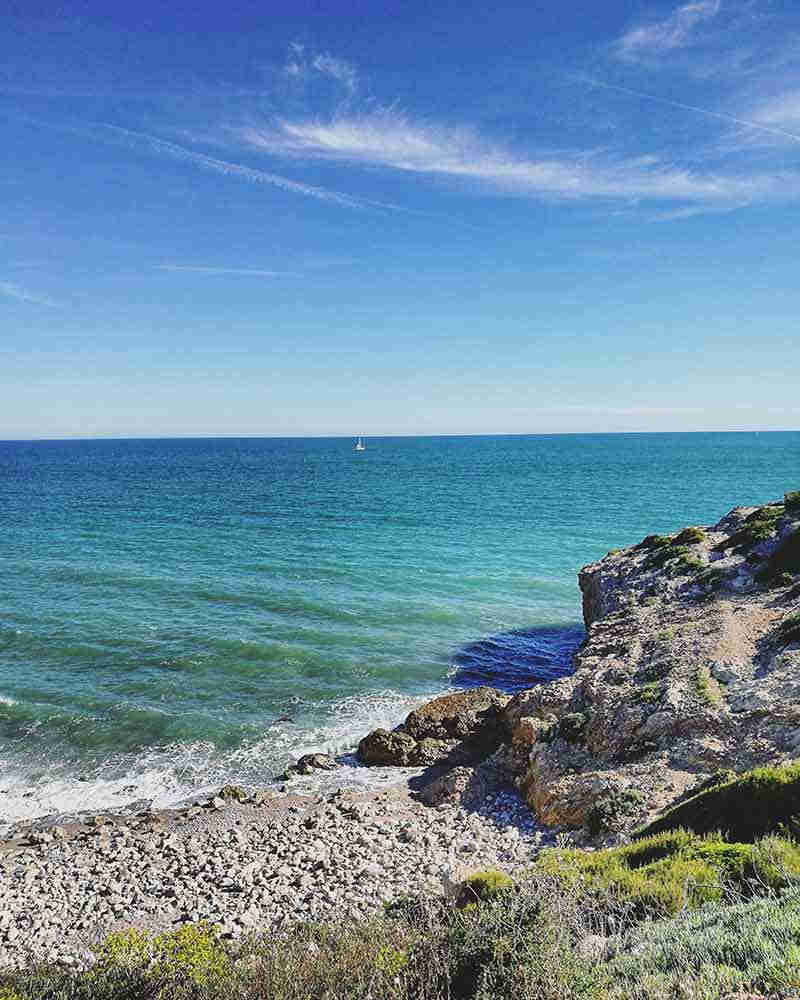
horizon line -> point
(378, 437)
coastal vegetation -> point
(759, 802)
(670, 916)
(625, 869)
(789, 629)
(759, 526)
(706, 687)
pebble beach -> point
(261, 864)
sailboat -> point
(360, 446)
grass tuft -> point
(690, 536)
(706, 687)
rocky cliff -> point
(691, 665)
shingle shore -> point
(244, 867)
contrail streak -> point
(176, 152)
(691, 107)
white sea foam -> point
(5, 700)
(166, 776)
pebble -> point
(246, 867)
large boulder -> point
(459, 728)
(384, 748)
(475, 715)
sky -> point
(324, 218)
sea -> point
(179, 614)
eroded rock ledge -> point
(691, 664)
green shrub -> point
(706, 687)
(233, 793)
(751, 805)
(613, 810)
(650, 692)
(687, 565)
(789, 629)
(517, 947)
(792, 501)
(483, 886)
(690, 536)
(127, 949)
(661, 874)
(654, 542)
(172, 963)
(712, 952)
(759, 526)
(665, 555)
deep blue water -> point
(163, 602)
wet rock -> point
(474, 715)
(382, 747)
(309, 763)
(233, 793)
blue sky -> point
(323, 218)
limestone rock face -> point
(687, 668)
(691, 664)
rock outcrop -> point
(690, 665)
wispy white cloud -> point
(676, 31)
(12, 290)
(303, 64)
(781, 110)
(251, 272)
(337, 69)
(389, 139)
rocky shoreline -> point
(691, 665)
(260, 863)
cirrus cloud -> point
(391, 140)
(673, 32)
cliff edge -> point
(691, 665)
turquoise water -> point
(163, 603)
